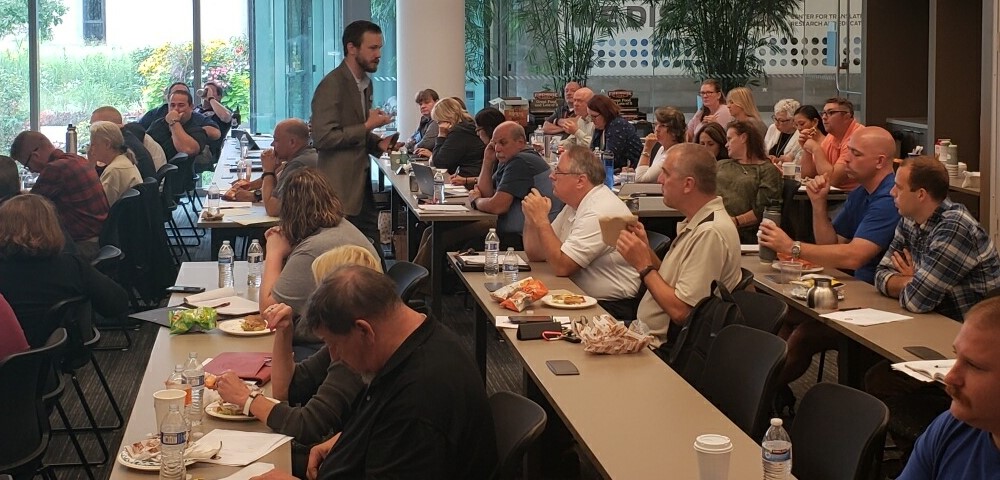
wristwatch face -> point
(796, 250)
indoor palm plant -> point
(719, 38)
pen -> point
(848, 309)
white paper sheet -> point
(250, 471)
(243, 448)
(481, 259)
(254, 219)
(864, 317)
(444, 208)
(214, 298)
(925, 370)
(228, 204)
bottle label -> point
(225, 260)
(179, 438)
(196, 381)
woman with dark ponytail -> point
(108, 151)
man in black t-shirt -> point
(178, 131)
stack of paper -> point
(443, 208)
(225, 301)
(925, 370)
(242, 448)
(865, 317)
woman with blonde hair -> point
(107, 148)
(344, 255)
(744, 109)
(458, 147)
(35, 274)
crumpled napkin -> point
(604, 335)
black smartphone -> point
(562, 367)
(924, 353)
(183, 289)
(518, 319)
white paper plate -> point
(212, 410)
(151, 465)
(587, 302)
(816, 269)
(235, 327)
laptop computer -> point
(236, 133)
(424, 175)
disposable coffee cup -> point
(163, 399)
(788, 169)
(713, 456)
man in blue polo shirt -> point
(964, 442)
(854, 241)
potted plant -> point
(719, 38)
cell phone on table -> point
(185, 289)
(562, 367)
(519, 319)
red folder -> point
(255, 366)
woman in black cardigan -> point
(35, 274)
(458, 147)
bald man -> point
(855, 241)
(580, 127)
(289, 151)
(149, 156)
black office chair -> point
(408, 276)
(740, 374)
(838, 433)
(746, 280)
(117, 216)
(518, 422)
(659, 242)
(107, 262)
(24, 428)
(760, 310)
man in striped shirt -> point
(940, 259)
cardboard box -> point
(514, 108)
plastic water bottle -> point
(214, 200)
(244, 147)
(608, 159)
(538, 140)
(404, 156)
(776, 452)
(438, 187)
(176, 382)
(510, 263)
(194, 375)
(492, 268)
(554, 150)
(225, 265)
(255, 260)
(173, 441)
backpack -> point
(689, 351)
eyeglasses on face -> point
(706, 93)
(780, 120)
(556, 171)
(830, 113)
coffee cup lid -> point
(713, 443)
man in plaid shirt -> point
(70, 182)
(940, 259)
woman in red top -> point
(12, 341)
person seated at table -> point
(579, 127)
(10, 178)
(707, 247)
(964, 441)
(148, 154)
(940, 259)
(107, 147)
(487, 120)
(809, 124)
(782, 138)
(70, 183)
(713, 137)
(743, 108)
(747, 182)
(12, 341)
(424, 413)
(612, 133)
(554, 124)
(150, 117)
(312, 222)
(179, 131)
(211, 107)
(713, 110)
(572, 243)
(315, 394)
(35, 274)
(518, 169)
(854, 241)
(829, 158)
(669, 131)
(422, 140)
(289, 152)
(457, 147)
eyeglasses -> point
(706, 93)
(780, 120)
(555, 171)
(830, 113)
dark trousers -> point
(367, 219)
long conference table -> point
(173, 349)
(887, 340)
(633, 416)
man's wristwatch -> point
(644, 272)
(796, 250)
(246, 406)
(257, 195)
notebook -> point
(255, 366)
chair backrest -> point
(154, 265)
(518, 421)
(117, 216)
(407, 276)
(838, 433)
(24, 425)
(746, 279)
(75, 315)
(760, 310)
(740, 374)
(659, 242)
(185, 172)
(166, 177)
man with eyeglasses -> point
(829, 157)
(572, 244)
(554, 125)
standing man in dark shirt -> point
(178, 131)
(424, 413)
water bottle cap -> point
(510, 249)
(493, 230)
(776, 422)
